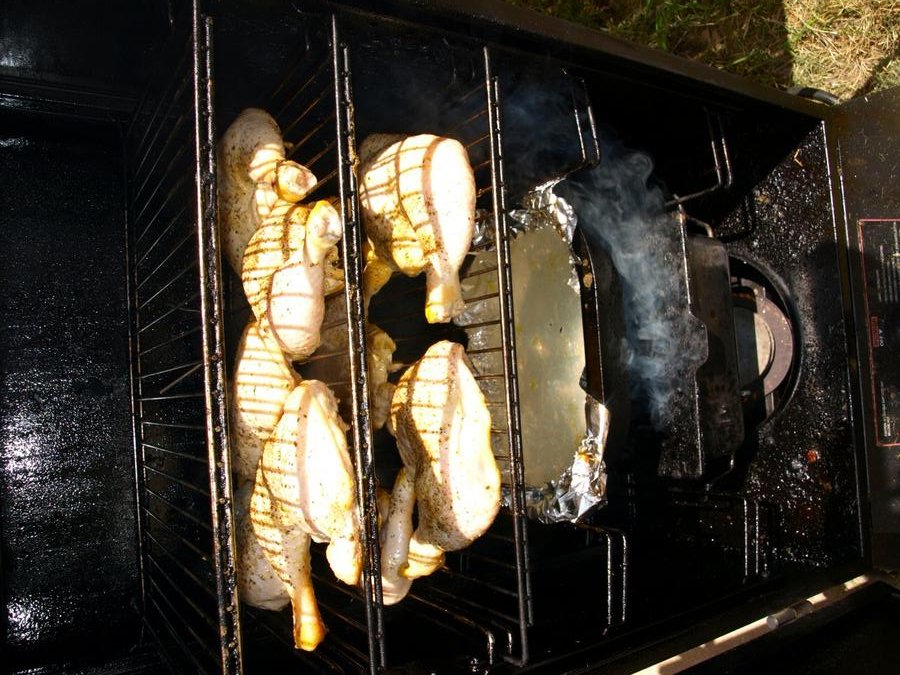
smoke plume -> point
(621, 210)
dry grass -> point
(847, 47)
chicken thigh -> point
(263, 379)
(442, 424)
(307, 468)
(417, 196)
(284, 273)
(252, 175)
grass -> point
(847, 47)
(850, 48)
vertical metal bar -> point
(756, 526)
(134, 377)
(745, 513)
(361, 430)
(590, 154)
(507, 332)
(721, 162)
(213, 350)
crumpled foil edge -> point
(581, 487)
(541, 207)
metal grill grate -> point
(483, 595)
(182, 465)
(482, 602)
(312, 105)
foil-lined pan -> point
(540, 208)
(581, 487)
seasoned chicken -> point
(259, 583)
(443, 427)
(417, 195)
(286, 548)
(284, 273)
(307, 468)
(381, 353)
(396, 531)
(252, 175)
(331, 363)
(263, 379)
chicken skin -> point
(258, 582)
(442, 425)
(417, 196)
(253, 175)
(307, 469)
(396, 531)
(263, 379)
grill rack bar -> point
(361, 430)
(170, 178)
(721, 159)
(508, 338)
(211, 305)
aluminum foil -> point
(483, 239)
(542, 207)
(539, 208)
(581, 488)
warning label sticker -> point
(879, 242)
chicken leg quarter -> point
(252, 175)
(309, 475)
(417, 196)
(442, 424)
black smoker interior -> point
(120, 323)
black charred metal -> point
(70, 574)
(729, 510)
(719, 414)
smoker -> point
(749, 520)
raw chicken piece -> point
(382, 505)
(307, 468)
(334, 272)
(262, 381)
(259, 583)
(331, 363)
(376, 273)
(396, 531)
(284, 273)
(286, 548)
(252, 175)
(443, 430)
(417, 196)
(381, 353)
(281, 235)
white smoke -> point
(622, 211)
